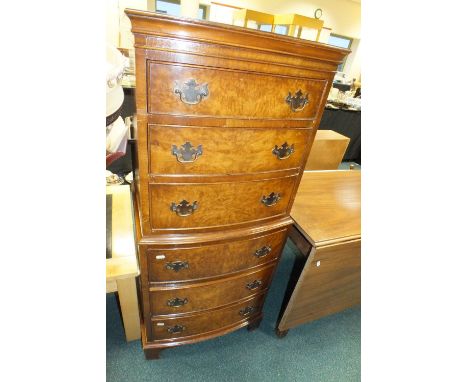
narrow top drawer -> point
(178, 89)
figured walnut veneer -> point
(226, 117)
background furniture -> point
(122, 267)
(326, 278)
(297, 23)
(348, 123)
(226, 119)
(327, 151)
(248, 18)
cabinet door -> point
(329, 283)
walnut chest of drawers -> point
(226, 117)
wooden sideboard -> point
(226, 117)
(326, 276)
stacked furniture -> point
(326, 276)
(226, 118)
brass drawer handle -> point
(177, 302)
(271, 199)
(283, 152)
(184, 208)
(187, 153)
(247, 310)
(176, 266)
(254, 285)
(298, 101)
(176, 329)
(262, 252)
(190, 92)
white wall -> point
(353, 63)
(118, 24)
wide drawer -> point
(201, 150)
(179, 89)
(181, 264)
(193, 324)
(179, 206)
(208, 295)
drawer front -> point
(199, 150)
(209, 295)
(208, 205)
(190, 325)
(179, 89)
(213, 260)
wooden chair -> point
(243, 16)
(296, 24)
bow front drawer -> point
(165, 328)
(186, 206)
(200, 150)
(181, 264)
(178, 89)
(209, 294)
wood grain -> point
(209, 294)
(233, 94)
(329, 288)
(327, 232)
(219, 204)
(249, 74)
(225, 150)
(205, 261)
(327, 151)
(126, 289)
(204, 323)
(328, 205)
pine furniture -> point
(122, 267)
(226, 117)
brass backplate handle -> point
(177, 302)
(271, 199)
(190, 92)
(176, 266)
(176, 329)
(284, 151)
(262, 252)
(254, 285)
(247, 310)
(184, 208)
(187, 153)
(298, 101)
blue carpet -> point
(325, 350)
